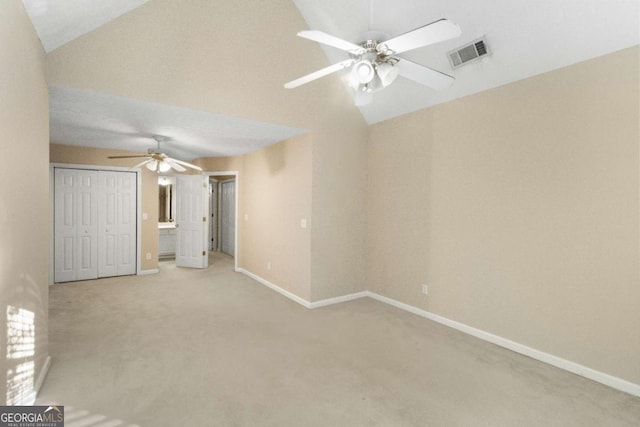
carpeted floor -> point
(214, 348)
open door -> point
(192, 213)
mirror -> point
(166, 199)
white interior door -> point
(228, 218)
(191, 221)
(117, 223)
(75, 225)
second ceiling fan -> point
(157, 161)
(375, 64)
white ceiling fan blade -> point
(142, 163)
(329, 40)
(426, 76)
(175, 165)
(128, 157)
(429, 34)
(189, 165)
(320, 73)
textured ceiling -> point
(525, 38)
(84, 118)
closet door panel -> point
(64, 225)
(127, 231)
(87, 226)
(117, 230)
(107, 230)
(75, 225)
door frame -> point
(237, 178)
(52, 168)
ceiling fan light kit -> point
(363, 72)
(387, 73)
(375, 64)
(158, 166)
(164, 167)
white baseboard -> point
(148, 272)
(338, 300)
(40, 380)
(558, 362)
(567, 365)
(303, 302)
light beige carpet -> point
(214, 348)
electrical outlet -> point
(148, 255)
(425, 289)
(268, 265)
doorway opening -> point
(220, 203)
(222, 213)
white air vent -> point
(468, 53)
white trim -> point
(558, 362)
(52, 195)
(93, 167)
(338, 300)
(148, 272)
(303, 302)
(37, 385)
(139, 219)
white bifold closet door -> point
(116, 223)
(94, 224)
(76, 225)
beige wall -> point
(339, 189)
(177, 54)
(273, 189)
(220, 164)
(24, 202)
(276, 197)
(520, 208)
(61, 153)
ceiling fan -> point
(374, 62)
(157, 161)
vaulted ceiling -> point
(525, 38)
